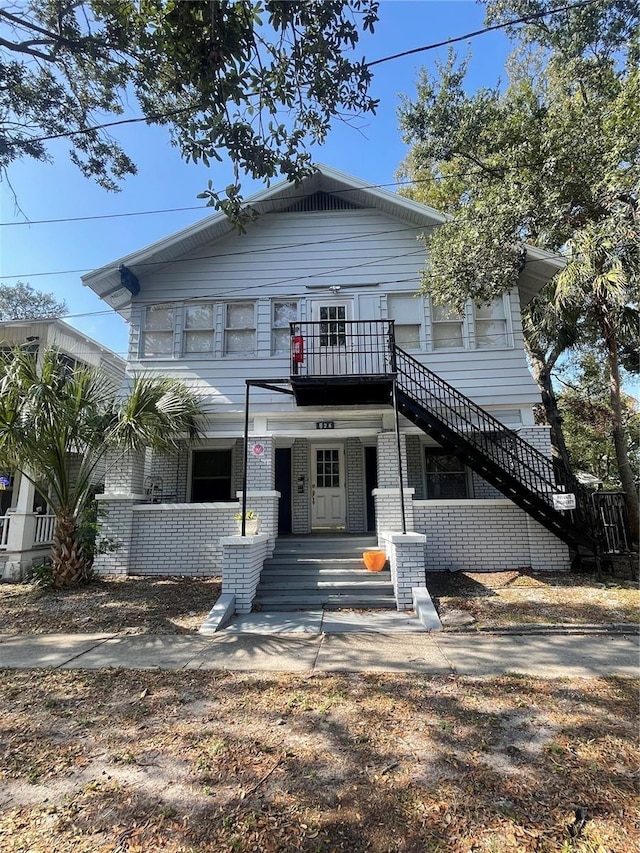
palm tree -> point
(602, 280)
(58, 421)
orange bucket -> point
(374, 560)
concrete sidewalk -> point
(549, 655)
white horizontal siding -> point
(280, 256)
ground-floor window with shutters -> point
(211, 475)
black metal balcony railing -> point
(337, 347)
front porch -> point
(26, 530)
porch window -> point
(157, 333)
(405, 310)
(240, 329)
(491, 324)
(198, 328)
(446, 327)
(446, 476)
(211, 476)
(283, 314)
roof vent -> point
(320, 201)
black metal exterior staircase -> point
(496, 453)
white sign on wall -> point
(564, 501)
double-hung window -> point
(446, 327)
(446, 476)
(490, 324)
(211, 475)
(240, 329)
(198, 328)
(157, 333)
(283, 313)
(407, 313)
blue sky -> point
(372, 152)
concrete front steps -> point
(323, 571)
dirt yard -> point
(179, 605)
(139, 762)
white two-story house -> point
(367, 410)
(26, 522)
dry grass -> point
(506, 599)
(172, 605)
(178, 605)
(215, 762)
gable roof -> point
(116, 289)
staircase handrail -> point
(486, 427)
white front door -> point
(328, 504)
(329, 350)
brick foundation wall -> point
(488, 535)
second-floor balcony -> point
(342, 362)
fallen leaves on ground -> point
(134, 605)
(508, 599)
(220, 762)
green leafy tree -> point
(22, 302)
(586, 411)
(58, 423)
(255, 80)
(552, 160)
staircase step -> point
(324, 599)
(323, 572)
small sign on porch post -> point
(564, 501)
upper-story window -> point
(490, 324)
(407, 311)
(283, 313)
(198, 328)
(157, 333)
(447, 327)
(240, 329)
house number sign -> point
(325, 425)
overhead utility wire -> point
(240, 252)
(525, 19)
(196, 107)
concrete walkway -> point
(254, 645)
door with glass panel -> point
(329, 350)
(328, 505)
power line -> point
(195, 107)
(523, 20)
(240, 252)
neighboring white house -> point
(301, 304)
(26, 525)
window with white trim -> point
(157, 332)
(447, 330)
(211, 475)
(446, 476)
(240, 329)
(283, 313)
(405, 310)
(199, 321)
(490, 324)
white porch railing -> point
(45, 527)
(4, 531)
